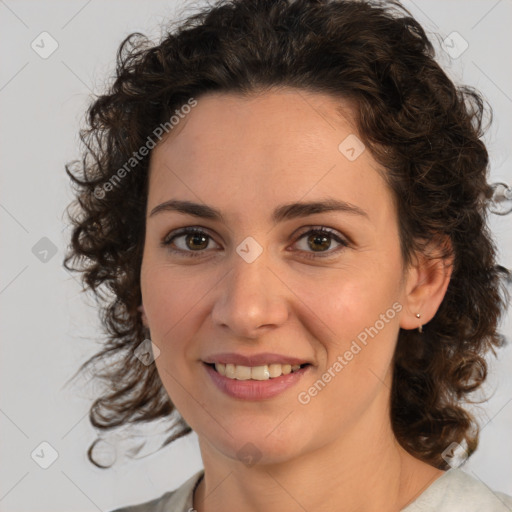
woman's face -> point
(257, 281)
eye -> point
(321, 237)
(195, 240)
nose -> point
(251, 298)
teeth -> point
(242, 372)
(265, 372)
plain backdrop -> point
(48, 327)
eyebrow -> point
(283, 212)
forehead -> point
(226, 119)
(278, 145)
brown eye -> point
(192, 241)
(319, 240)
(196, 241)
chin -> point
(257, 448)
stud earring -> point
(420, 328)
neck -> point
(365, 469)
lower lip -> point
(255, 389)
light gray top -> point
(454, 491)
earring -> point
(420, 328)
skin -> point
(246, 156)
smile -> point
(262, 372)
(252, 388)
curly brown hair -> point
(423, 129)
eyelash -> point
(166, 242)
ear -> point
(426, 284)
(143, 315)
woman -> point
(289, 200)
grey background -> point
(48, 327)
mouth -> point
(261, 372)
(256, 383)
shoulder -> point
(457, 491)
(178, 500)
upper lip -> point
(254, 360)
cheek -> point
(170, 296)
(342, 303)
(354, 317)
(172, 302)
(357, 346)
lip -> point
(254, 359)
(255, 389)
